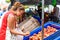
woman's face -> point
(20, 12)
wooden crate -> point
(29, 24)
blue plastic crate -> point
(39, 29)
(38, 18)
(55, 36)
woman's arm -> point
(11, 21)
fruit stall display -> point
(50, 28)
(47, 31)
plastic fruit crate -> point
(38, 29)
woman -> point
(8, 26)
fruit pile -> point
(47, 31)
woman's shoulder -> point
(11, 16)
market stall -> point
(41, 20)
(54, 25)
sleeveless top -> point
(5, 32)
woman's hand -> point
(27, 34)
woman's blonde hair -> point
(16, 6)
